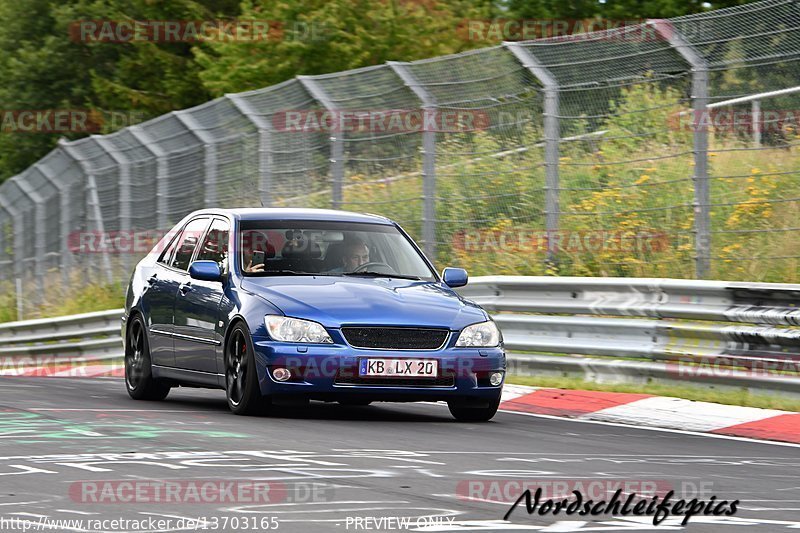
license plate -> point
(421, 368)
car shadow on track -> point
(214, 401)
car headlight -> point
(287, 329)
(483, 334)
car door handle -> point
(185, 287)
(152, 279)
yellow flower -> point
(641, 180)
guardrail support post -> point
(552, 140)
(337, 140)
(428, 159)
(702, 196)
(264, 146)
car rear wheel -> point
(241, 379)
(139, 378)
(466, 413)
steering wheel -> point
(376, 266)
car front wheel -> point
(241, 379)
(139, 378)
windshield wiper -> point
(371, 274)
(285, 273)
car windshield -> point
(302, 248)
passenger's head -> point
(356, 253)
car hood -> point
(337, 301)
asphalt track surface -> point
(66, 441)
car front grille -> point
(351, 377)
(384, 338)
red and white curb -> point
(655, 411)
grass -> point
(78, 297)
(688, 392)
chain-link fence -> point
(667, 149)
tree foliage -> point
(322, 36)
(43, 68)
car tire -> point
(241, 378)
(139, 378)
(466, 413)
(355, 403)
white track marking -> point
(677, 413)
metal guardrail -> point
(715, 332)
(87, 336)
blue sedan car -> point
(283, 306)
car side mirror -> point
(454, 277)
(205, 271)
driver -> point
(355, 253)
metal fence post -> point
(264, 146)
(209, 154)
(40, 221)
(428, 159)
(92, 205)
(337, 140)
(19, 234)
(124, 195)
(162, 174)
(702, 200)
(64, 210)
(552, 141)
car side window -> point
(166, 255)
(188, 242)
(215, 244)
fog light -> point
(496, 378)
(281, 374)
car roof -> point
(285, 213)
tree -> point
(322, 36)
(45, 69)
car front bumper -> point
(330, 372)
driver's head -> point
(356, 253)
